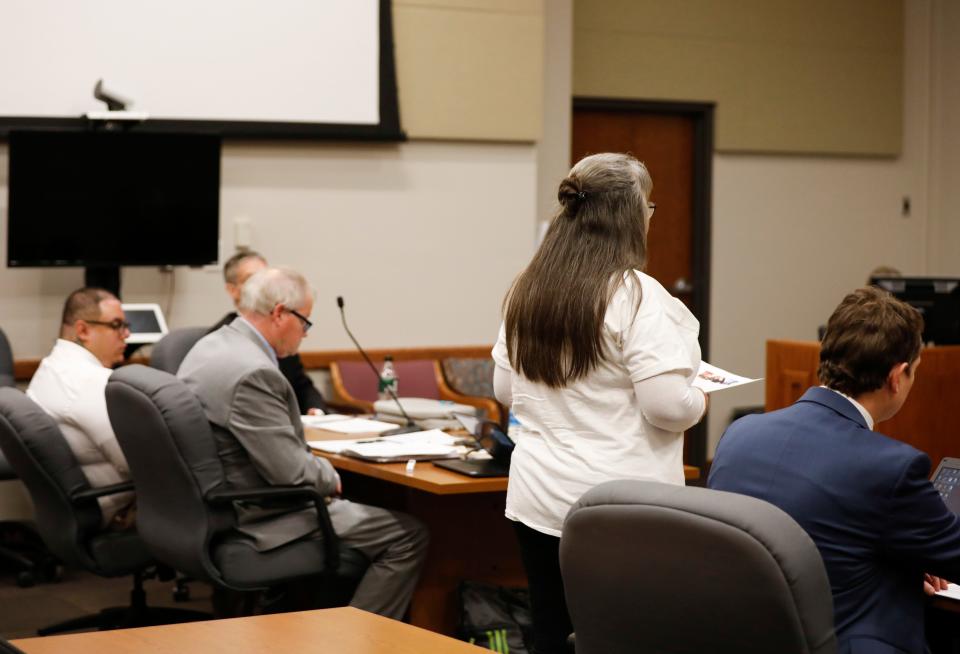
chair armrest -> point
(263, 493)
(331, 544)
(100, 491)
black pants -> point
(548, 606)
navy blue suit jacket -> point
(867, 503)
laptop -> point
(490, 437)
(946, 479)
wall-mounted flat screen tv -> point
(112, 199)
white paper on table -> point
(323, 419)
(711, 378)
(952, 591)
(358, 426)
(426, 442)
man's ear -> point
(897, 373)
(81, 330)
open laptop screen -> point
(946, 480)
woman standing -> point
(596, 360)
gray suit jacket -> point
(256, 423)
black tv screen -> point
(113, 199)
(936, 298)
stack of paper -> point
(347, 424)
(422, 445)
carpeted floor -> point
(24, 610)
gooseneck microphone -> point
(411, 426)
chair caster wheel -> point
(51, 571)
(26, 579)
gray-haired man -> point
(256, 422)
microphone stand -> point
(410, 426)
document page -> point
(349, 425)
(711, 378)
(431, 444)
(952, 591)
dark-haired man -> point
(864, 499)
(69, 385)
(237, 270)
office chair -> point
(68, 515)
(169, 352)
(185, 508)
(650, 567)
(26, 549)
(356, 385)
(6, 362)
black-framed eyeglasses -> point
(652, 206)
(116, 324)
(304, 321)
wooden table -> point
(346, 630)
(470, 539)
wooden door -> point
(675, 143)
(665, 144)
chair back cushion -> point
(167, 441)
(6, 361)
(168, 353)
(37, 451)
(414, 379)
(650, 567)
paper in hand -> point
(711, 378)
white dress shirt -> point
(69, 385)
(623, 420)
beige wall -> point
(944, 138)
(470, 69)
(789, 76)
(792, 235)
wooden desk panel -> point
(928, 418)
(346, 630)
(426, 476)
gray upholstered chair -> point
(168, 353)
(651, 567)
(185, 508)
(68, 515)
(6, 361)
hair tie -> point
(581, 195)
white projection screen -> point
(296, 68)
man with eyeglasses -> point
(236, 271)
(69, 385)
(255, 418)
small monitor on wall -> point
(113, 199)
(936, 298)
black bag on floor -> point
(494, 617)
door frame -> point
(702, 114)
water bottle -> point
(388, 379)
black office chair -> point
(651, 567)
(169, 352)
(185, 508)
(68, 515)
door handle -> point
(682, 286)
